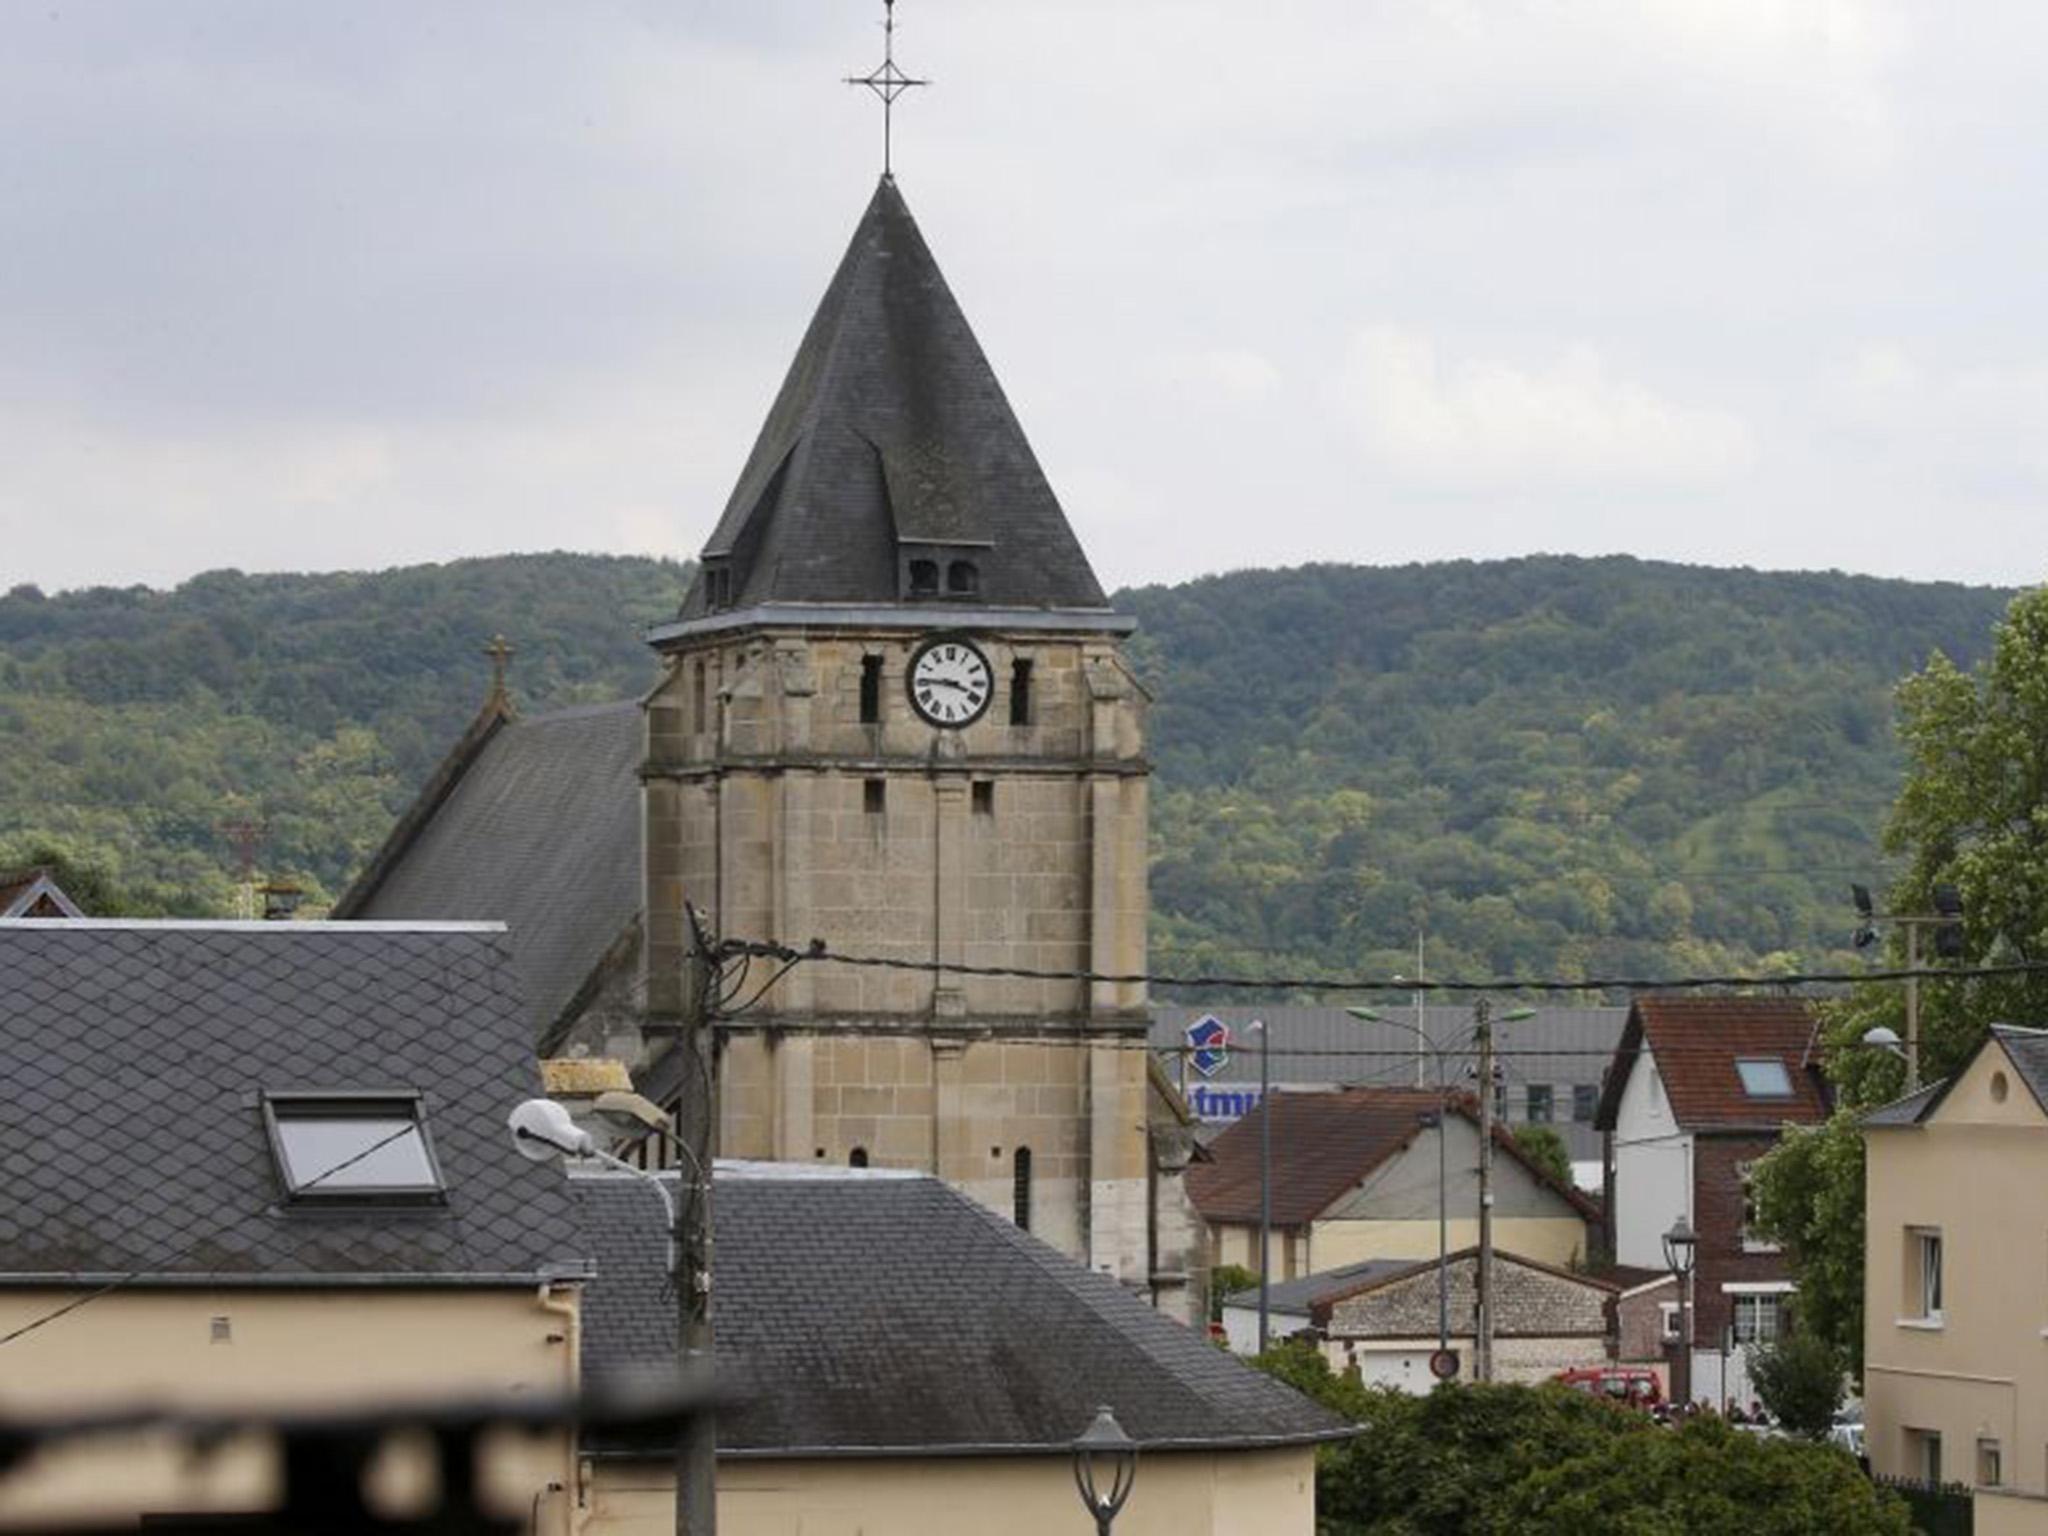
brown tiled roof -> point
(1696, 1043)
(1323, 1144)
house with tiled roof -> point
(1354, 1176)
(906, 1360)
(1699, 1088)
(1380, 1318)
(263, 1166)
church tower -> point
(896, 715)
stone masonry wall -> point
(1528, 1301)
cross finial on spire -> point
(887, 81)
(500, 651)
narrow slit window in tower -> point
(1020, 1193)
(984, 797)
(1020, 692)
(870, 689)
(874, 796)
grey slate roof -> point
(891, 426)
(1904, 1111)
(2028, 1049)
(878, 1313)
(1304, 1291)
(132, 1055)
(541, 831)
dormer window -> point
(963, 579)
(718, 586)
(924, 578)
(352, 1147)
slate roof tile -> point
(875, 1313)
(890, 425)
(541, 833)
(132, 1058)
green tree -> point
(1973, 814)
(1546, 1149)
(1809, 1197)
(1800, 1378)
(1496, 1460)
(1227, 1280)
(1706, 1476)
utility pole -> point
(697, 1441)
(1258, 1027)
(1912, 928)
(1947, 922)
(1482, 1351)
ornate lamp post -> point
(1105, 1452)
(1681, 1243)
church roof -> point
(869, 1312)
(891, 433)
(537, 825)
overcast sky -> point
(357, 283)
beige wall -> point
(1978, 1173)
(283, 1348)
(1249, 1493)
(999, 845)
(2009, 1514)
(1333, 1244)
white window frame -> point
(1667, 1322)
(1923, 1284)
(1756, 1301)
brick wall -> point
(1639, 1323)
(1717, 1217)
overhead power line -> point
(818, 953)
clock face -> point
(950, 682)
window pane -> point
(1585, 1102)
(350, 1152)
(1539, 1103)
(1765, 1079)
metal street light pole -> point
(1482, 1346)
(1482, 1018)
(1443, 1220)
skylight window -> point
(345, 1146)
(1765, 1079)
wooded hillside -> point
(1559, 765)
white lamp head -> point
(542, 1129)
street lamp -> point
(1443, 1221)
(1681, 1245)
(543, 1129)
(1105, 1452)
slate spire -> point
(891, 469)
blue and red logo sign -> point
(1209, 1044)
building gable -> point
(1993, 1089)
(1532, 1300)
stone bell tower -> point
(896, 715)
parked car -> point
(1635, 1385)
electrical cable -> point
(818, 951)
(76, 1302)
